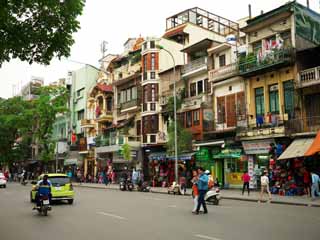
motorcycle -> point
(213, 196)
(143, 187)
(44, 206)
(126, 185)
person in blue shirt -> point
(203, 188)
(315, 185)
(44, 189)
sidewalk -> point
(231, 194)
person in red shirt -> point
(307, 182)
(246, 180)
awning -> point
(108, 149)
(297, 148)
(183, 157)
(158, 156)
(314, 147)
(70, 161)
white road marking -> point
(155, 199)
(172, 206)
(206, 237)
(111, 215)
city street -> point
(111, 214)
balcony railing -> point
(129, 104)
(86, 122)
(300, 125)
(223, 72)
(198, 64)
(309, 77)
(276, 58)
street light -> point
(174, 113)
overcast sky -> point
(115, 22)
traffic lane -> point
(120, 215)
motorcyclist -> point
(43, 189)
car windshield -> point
(59, 180)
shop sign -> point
(251, 172)
(203, 154)
(257, 147)
(228, 153)
(234, 178)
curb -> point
(223, 197)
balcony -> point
(309, 77)
(105, 116)
(87, 123)
(303, 125)
(225, 72)
(195, 67)
(275, 128)
(107, 143)
(196, 101)
(251, 66)
(130, 104)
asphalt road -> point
(109, 214)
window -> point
(152, 44)
(200, 87)
(222, 60)
(154, 123)
(180, 117)
(144, 66)
(153, 61)
(196, 117)
(153, 92)
(134, 93)
(274, 98)
(256, 47)
(259, 101)
(123, 96)
(119, 75)
(288, 90)
(189, 119)
(145, 45)
(128, 94)
(207, 86)
(80, 115)
(109, 104)
(138, 124)
(193, 89)
(80, 93)
(152, 106)
(286, 37)
(221, 114)
(153, 75)
(241, 106)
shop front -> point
(233, 165)
(258, 157)
(162, 168)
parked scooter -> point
(126, 185)
(213, 196)
(143, 186)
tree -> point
(51, 101)
(126, 151)
(184, 139)
(38, 30)
(15, 129)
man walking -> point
(246, 181)
(315, 185)
(203, 188)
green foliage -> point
(15, 118)
(30, 122)
(184, 139)
(126, 152)
(38, 30)
(51, 101)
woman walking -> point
(195, 191)
(264, 186)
